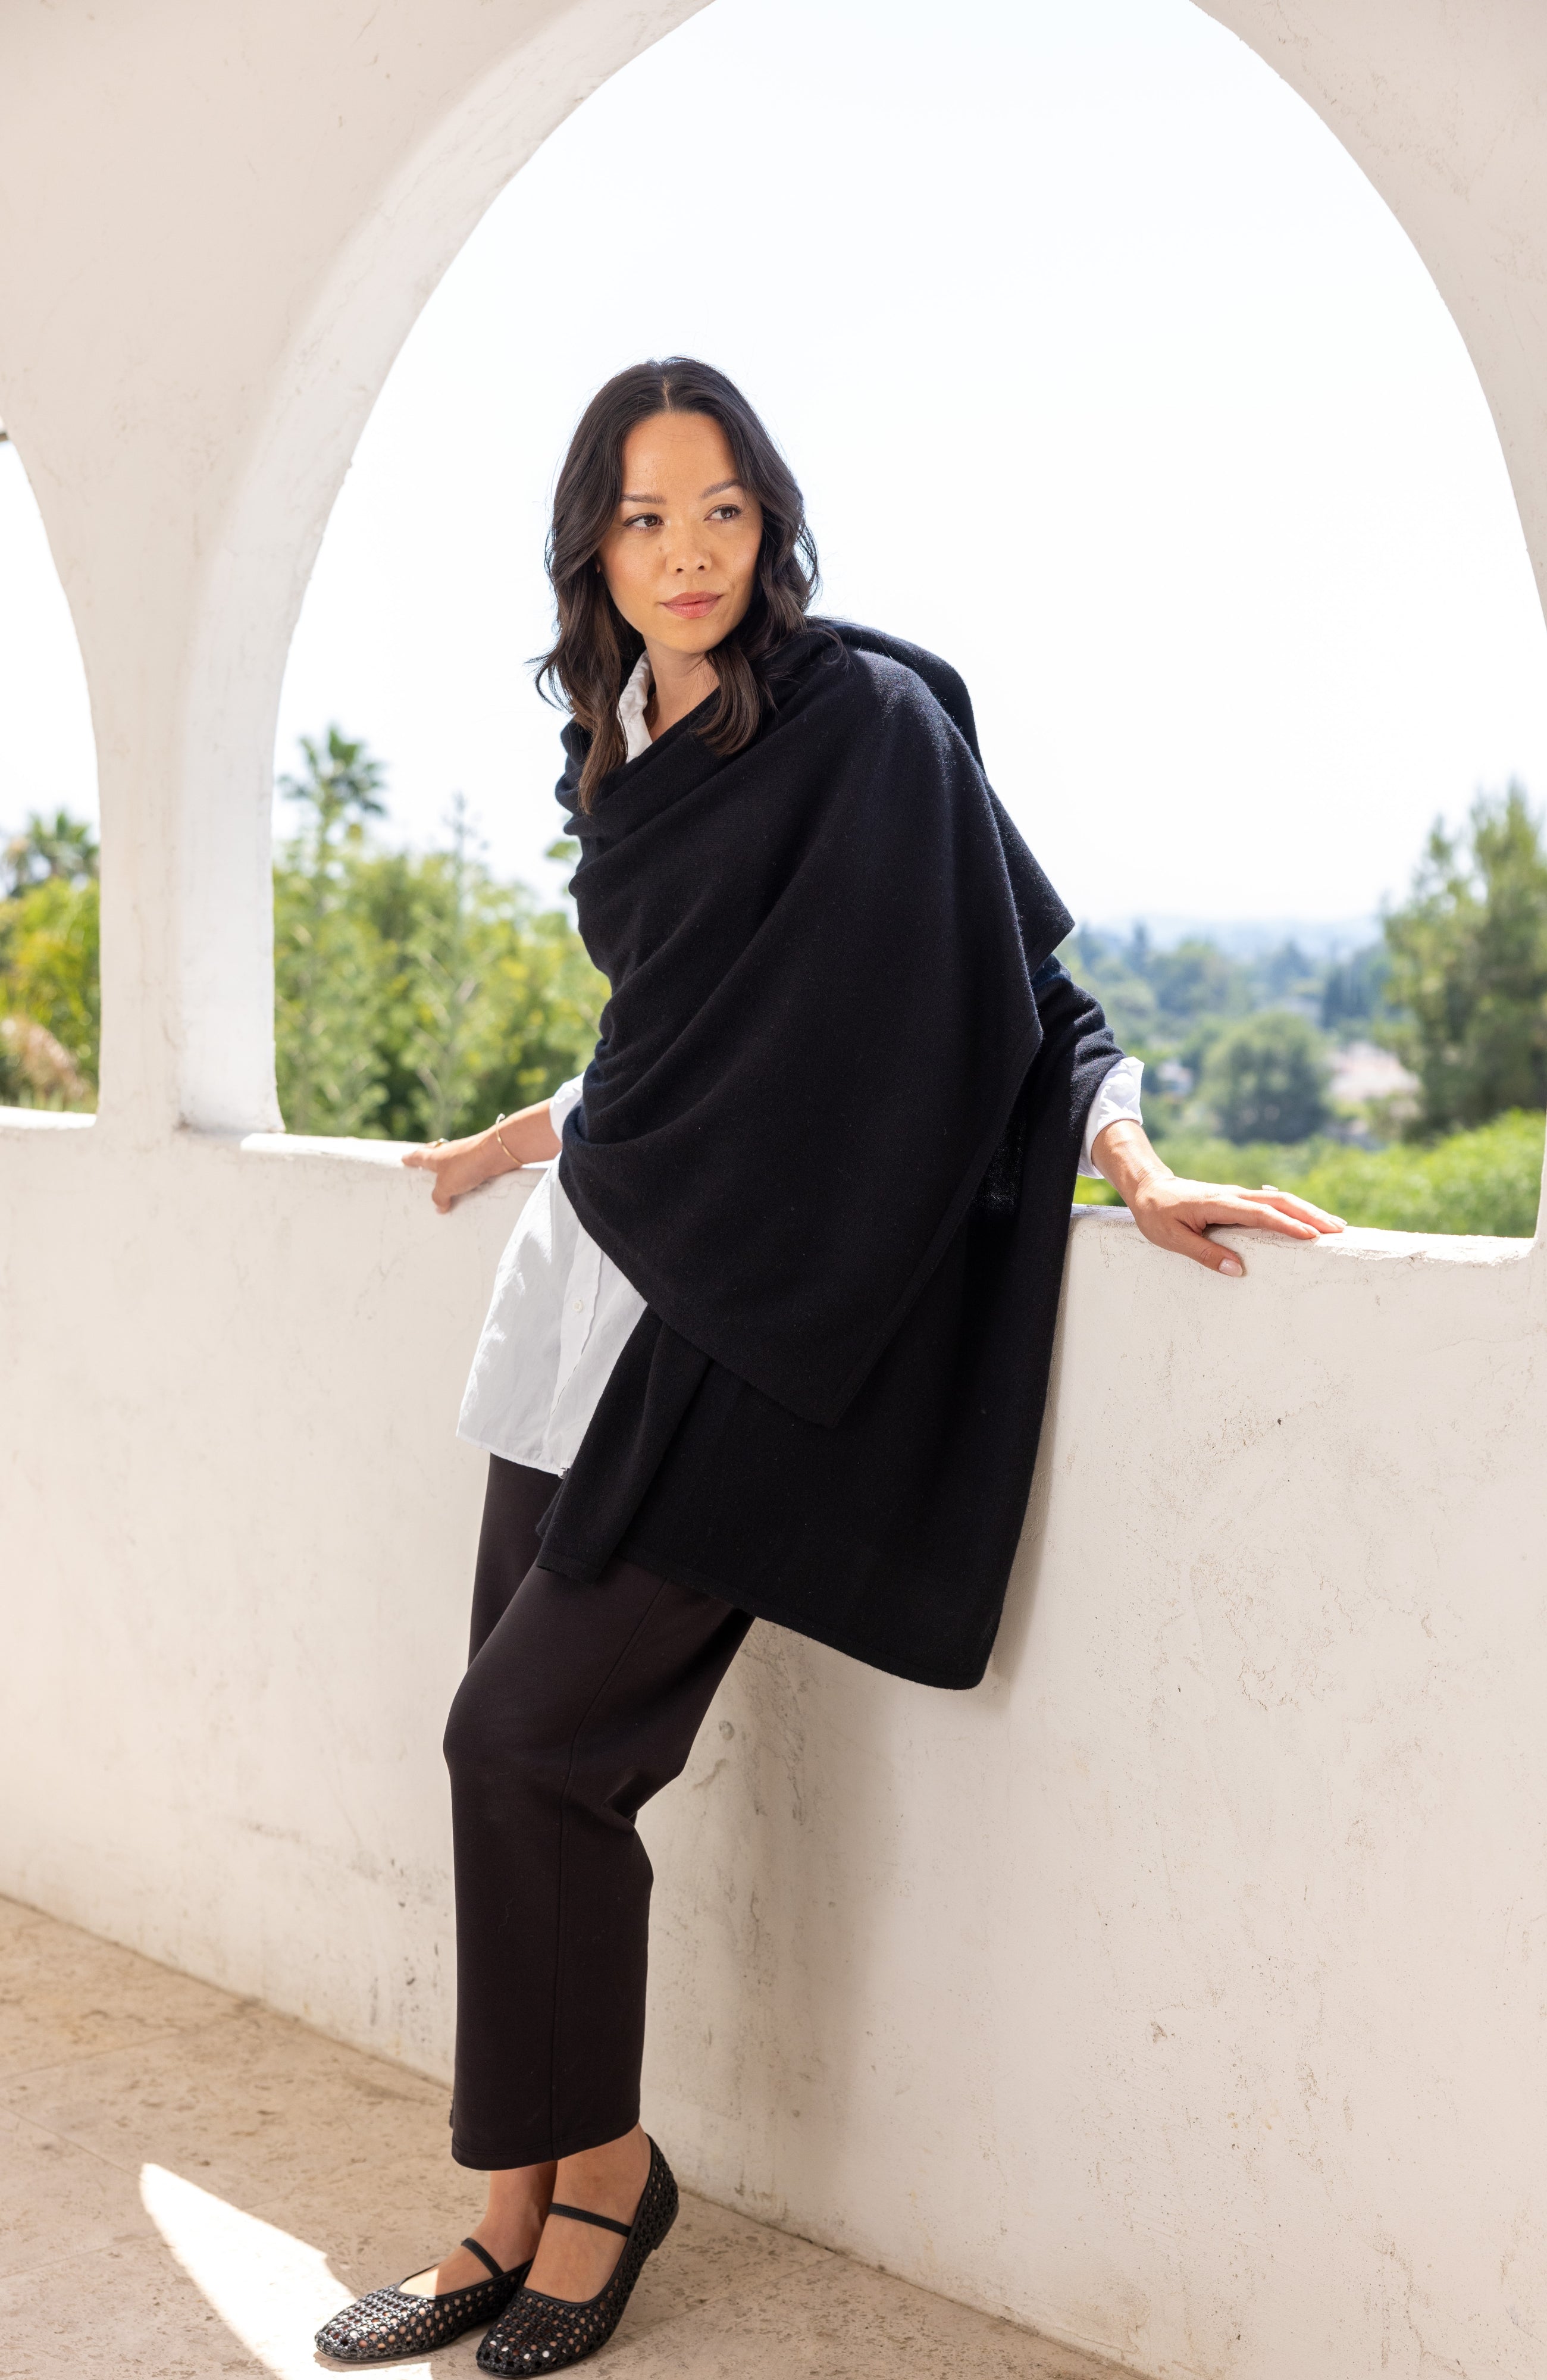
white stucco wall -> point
(1179, 1991)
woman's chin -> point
(695, 636)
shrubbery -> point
(1266, 1078)
(415, 995)
(50, 1008)
(1468, 967)
(1486, 1180)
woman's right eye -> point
(642, 520)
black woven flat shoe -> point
(536, 2333)
(386, 2324)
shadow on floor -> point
(189, 2184)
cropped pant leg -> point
(579, 1702)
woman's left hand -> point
(1178, 1215)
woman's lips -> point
(692, 607)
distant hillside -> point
(1251, 938)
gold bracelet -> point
(498, 1121)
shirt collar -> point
(631, 706)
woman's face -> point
(680, 559)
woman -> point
(771, 1336)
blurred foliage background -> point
(415, 996)
(1260, 1071)
(1403, 1085)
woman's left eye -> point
(725, 512)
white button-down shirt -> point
(562, 1312)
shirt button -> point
(579, 1306)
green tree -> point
(1488, 1180)
(328, 966)
(1354, 991)
(49, 994)
(1266, 1078)
(1108, 971)
(537, 1022)
(415, 996)
(1468, 967)
(443, 950)
(484, 1001)
(61, 848)
(49, 1005)
(1196, 980)
(1283, 975)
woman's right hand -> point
(455, 1167)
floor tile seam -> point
(281, 2020)
(12, 1928)
(15, 2074)
(238, 2003)
(85, 2148)
(272, 2209)
(148, 2237)
(192, 2027)
(43, 1918)
(265, 2205)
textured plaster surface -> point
(189, 2184)
(1176, 1993)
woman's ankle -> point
(608, 2180)
(517, 2203)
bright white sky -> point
(1105, 372)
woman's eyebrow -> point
(717, 489)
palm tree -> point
(341, 784)
(326, 987)
(61, 847)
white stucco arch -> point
(313, 214)
(267, 249)
(1183, 1994)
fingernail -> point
(1232, 1265)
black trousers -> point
(579, 1704)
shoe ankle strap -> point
(484, 2258)
(581, 2214)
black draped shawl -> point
(830, 1134)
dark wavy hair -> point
(595, 648)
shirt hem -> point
(534, 1462)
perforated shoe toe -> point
(387, 2323)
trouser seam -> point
(559, 1950)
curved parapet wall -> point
(1177, 1991)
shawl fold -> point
(820, 953)
(830, 1134)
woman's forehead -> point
(681, 449)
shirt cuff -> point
(563, 1101)
(1116, 1102)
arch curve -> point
(286, 191)
(191, 435)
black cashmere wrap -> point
(830, 1134)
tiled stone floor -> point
(189, 2184)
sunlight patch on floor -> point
(272, 2291)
